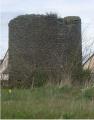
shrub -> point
(83, 76)
(88, 93)
(39, 78)
(65, 88)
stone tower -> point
(43, 43)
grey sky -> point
(13, 8)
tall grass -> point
(47, 102)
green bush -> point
(65, 88)
(40, 77)
(88, 93)
(82, 75)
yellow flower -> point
(10, 90)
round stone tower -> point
(43, 43)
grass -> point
(47, 102)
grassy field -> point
(47, 102)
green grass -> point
(47, 102)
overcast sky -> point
(12, 8)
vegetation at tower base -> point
(44, 46)
(48, 102)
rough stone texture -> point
(43, 42)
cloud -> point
(24, 5)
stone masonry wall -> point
(42, 42)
